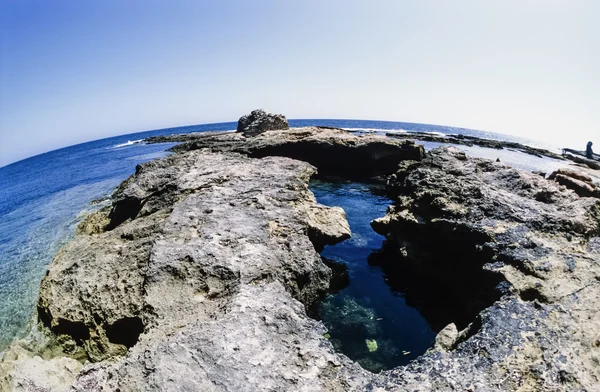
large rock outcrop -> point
(259, 121)
(199, 275)
(521, 255)
(197, 279)
(333, 151)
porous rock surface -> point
(199, 275)
(532, 241)
(333, 151)
(197, 279)
(259, 121)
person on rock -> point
(588, 151)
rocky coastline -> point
(451, 139)
(466, 140)
(200, 273)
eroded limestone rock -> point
(199, 274)
(483, 226)
(259, 121)
(333, 151)
(446, 338)
(202, 253)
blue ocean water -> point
(43, 197)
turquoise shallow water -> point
(43, 197)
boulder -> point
(259, 121)
(446, 338)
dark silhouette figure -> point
(588, 151)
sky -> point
(74, 71)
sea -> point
(43, 198)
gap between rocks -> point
(397, 294)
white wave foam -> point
(398, 130)
(375, 130)
(129, 143)
(436, 133)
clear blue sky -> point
(72, 71)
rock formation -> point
(467, 140)
(206, 254)
(521, 254)
(210, 253)
(579, 157)
(259, 121)
(579, 182)
(333, 151)
(199, 275)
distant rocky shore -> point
(466, 140)
(199, 274)
(453, 139)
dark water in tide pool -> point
(367, 321)
(43, 197)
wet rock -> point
(258, 121)
(339, 275)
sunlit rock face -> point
(493, 233)
(199, 275)
(333, 151)
(260, 121)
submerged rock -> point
(371, 345)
